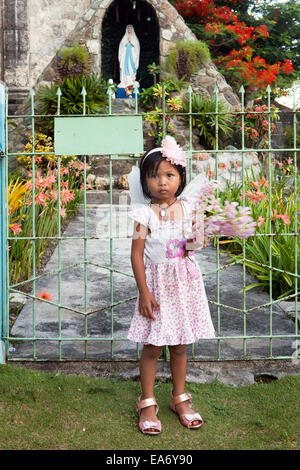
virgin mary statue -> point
(129, 57)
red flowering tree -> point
(232, 43)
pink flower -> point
(176, 248)
(66, 195)
(289, 161)
(261, 221)
(41, 198)
(63, 212)
(172, 151)
(254, 133)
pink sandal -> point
(145, 426)
(186, 419)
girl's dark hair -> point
(150, 165)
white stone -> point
(167, 34)
(89, 15)
(93, 46)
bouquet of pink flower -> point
(214, 219)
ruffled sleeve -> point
(141, 214)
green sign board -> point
(98, 135)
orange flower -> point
(285, 219)
(222, 166)
(275, 215)
(15, 228)
(255, 197)
(44, 295)
(41, 198)
(263, 182)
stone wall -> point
(89, 31)
(33, 31)
(16, 47)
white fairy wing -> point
(192, 188)
(135, 188)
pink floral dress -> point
(176, 282)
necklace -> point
(163, 210)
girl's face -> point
(164, 183)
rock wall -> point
(33, 31)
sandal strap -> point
(145, 403)
(180, 398)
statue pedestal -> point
(121, 93)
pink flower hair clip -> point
(172, 151)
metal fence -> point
(249, 324)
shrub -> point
(204, 118)
(46, 211)
(43, 148)
(186, 57)
(256, 125)
(73, 61)
(71, 100)
(152, 101)
(279, 219)
(289, 139)
(149, 96)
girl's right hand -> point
(146, 301)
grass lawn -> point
(53, 411)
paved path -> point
(98, 323)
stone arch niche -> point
(145, 22)
(101, 31)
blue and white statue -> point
(129, 57)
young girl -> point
(172, 307)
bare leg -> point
(178, 369)
(148, 362)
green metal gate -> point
(121, 138)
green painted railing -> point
(122, 123)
